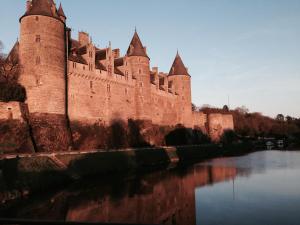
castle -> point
(74, 78)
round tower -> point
(43, 57)
(140, 70)
(43, 74)
(182, 85)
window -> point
(38, 38)
(126, 91)
(91, 84)
(74, 65)
(38, 60)
(90, 67)
(36, 18)
(109, 70)
(140, 71)
(108, 88)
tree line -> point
(255, 124)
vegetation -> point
(10, 90)
(257, 125)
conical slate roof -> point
(136, 47)
(43, 8)
(60, 11)
(178, 68)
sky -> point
(243, 52)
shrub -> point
(12, 92)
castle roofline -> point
(136, 47)
(42, 8)
(178, 67)
(61, 12)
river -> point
(259, 188)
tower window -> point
(140, 71)
(38, 38)
(108, 88)
(74, 64)
(38, 60)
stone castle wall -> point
(200, 120)
(218, 124)
(96, 96)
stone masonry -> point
(82, 82)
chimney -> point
(155, 69)
(28, 5)
(116, 53)
(83, 38)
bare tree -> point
(9, 66)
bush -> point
(12, 92)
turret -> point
(43, 74)
(140, 69)
(182, 86)
(43, 57)
(61, 13)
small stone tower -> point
(43, 73)
(182, 84)
(43, 57)
(140, 68)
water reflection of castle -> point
(160, 199)
(163, 197)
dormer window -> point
(38, 60)
(38, 38)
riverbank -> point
(25, 174)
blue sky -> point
(247, 50)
